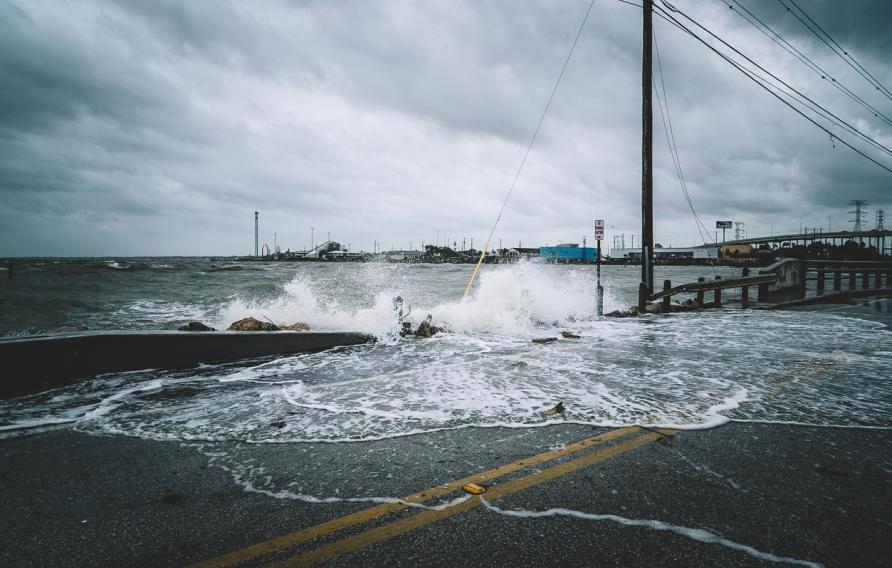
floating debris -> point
(570, 335)
(544, 340)
(559, 407)
(474, 489)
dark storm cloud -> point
(159, 127)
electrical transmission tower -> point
(859, 205)
(738, 230)
(881, 218)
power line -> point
(670, 137)
(836, 48)
(541, 120)
(804, 99)
(766, 30)
(530, 145)
(673, 146)
(762, 83)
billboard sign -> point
(599, 229)
(723, 224)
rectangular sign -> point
(723, 224)
(599, 229)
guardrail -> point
(836, 271)
(787, 283)
(715, 286)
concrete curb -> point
(37, 363)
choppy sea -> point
(691, 370)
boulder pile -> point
(252, 324)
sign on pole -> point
(723, 224)
(599, 229)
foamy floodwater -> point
(694, 370)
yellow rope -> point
(476, 270)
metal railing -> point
(715, 286)
(788, 282)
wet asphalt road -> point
(806, 494)
(817, 494)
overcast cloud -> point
(158, 128)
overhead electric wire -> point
(759, 80)
(673, 146)
(789, 48)
(803, 99)
(529, 147)
(836, 48)
(788, 89)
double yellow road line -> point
(428, 516)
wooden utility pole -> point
(646, 287)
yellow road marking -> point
(286, 541)
(403, 526)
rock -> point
(406, 329)
(544, 340)
(559, 407)
(278, 424)
(251, 324)
(299, 326)
(424, 329)
(195, 326)
(569, 335)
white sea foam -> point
(656, 371)
(508, 300)
(699, 535)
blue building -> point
(568, 252)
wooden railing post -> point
(853, 279)
(865, 279)
(820, 286)
(745, 290)
(700, 293)
(837, 280)
(667, 285)
(878, 279)
(718, 295)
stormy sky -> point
(158, 128)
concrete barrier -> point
(790, 283)
(37, 363)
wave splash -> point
(508, 300)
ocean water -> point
(693, 370)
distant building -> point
(693, 254)
(568, 252)
(401, 255)
(323, 249)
